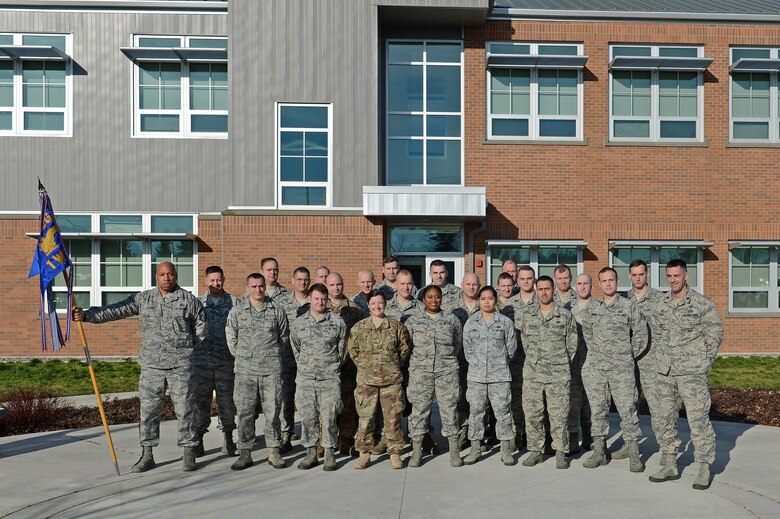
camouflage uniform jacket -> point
(582, 349)
(489, 348)
(437, 342)
(319, 346)
(256, 337)
(380, 352)
(463, 312)
(277, 292)
(450, 296)
(397, 310)
(570, 301)
(292, 306)
(172, 328)
(550, 342)
(214, 349)
(615, 334)
(362, 304)
(651, 297)
(347, 310)
(690, 333)
(517, 300)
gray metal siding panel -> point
(101, 167)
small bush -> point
(29, 409)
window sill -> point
(537, 142)
(732, 313)
(659, 144)
(737, 144)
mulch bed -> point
(751, 406)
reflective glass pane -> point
(678, 129)
(521, 103)
(6, 121)
(500, 103)
(404, 162)
(404, 125)
(640, 82)
(443, 52)
(109, 298)
(208, 43)
(79, 251)
(404, 88)
(759, 276)
(44, 121)
(751, 299)
(304, 117)
(444, 162)
(740, 276)
(760, 107)
(510, 127)
(61, 299)
(558, 50)
(74, 222)
(689, 82)
(740, 256)
(668, 105)
(6, 71)
(291, 169)
(557, 128)
(443, 93)
(200, 74)
(631, 51)
(548, 104)
(631, 129)
(521, 80)
(303, 196)
(199, 98)
(500, 79)
(316, 144)
(209, 124)
(740, 107)
(170, 74)
(159, 123)
(120, 223)
(149, 98)
(751, 130)
(568, 104)
(426, 239)
(316, 170)
(444, 126)
(621, 81)
(510, 48)
(171, 98)
(186, 274)
(6, 39)
(133, 275)
(32, 95)
(172, 250)
(688, 105)
(667, 82)
(678, 52)
(737, 54)
(291, 143)
(55, 96)
(159, 42)
(740, 83)
(55, 72)
(640, 105)
(548, 80)
(45, 41)
(149, 73)
(171, 223)
(567, 81)
(219, 99)
(32, 72)
(404, 52)
(219, 75)
(621, 104)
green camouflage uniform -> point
(347, 419)
(489, 348)
(214, 367)
(550, 343)
(172, 329)
(293, 308)
(378, 353)
(687, 340)
(571, 300)
(615, 334)
(517, 304)
(256, 339)
(433, 371)
(320, 347)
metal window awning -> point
(659, 63)
(175, 54)
(735, 244)
(126, 235)
(701, 244)
(580, 244)
(755, 65)
(32, 52)
(536, 61)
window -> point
(116, 255)
(424, 123)
(35, 84)
(181, 86)
(753, 277)
(656, 93)
(542, 255)
(304, 155)
(754, 113)
(657, 255)
(534, 91)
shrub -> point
(28, 410)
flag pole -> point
(84, 344)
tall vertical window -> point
(657, 255)
(754, 108)
(181, 85)
(534, 90)
(304, 160)
(35, 79)
(753, 280)
(656, 93)
(424, 113)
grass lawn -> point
(72, 377)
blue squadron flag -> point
(49, 261)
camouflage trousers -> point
(208, 379)
(516, 386)
(554, 397)
(579, 408)
(648, 376)
(695, 394)
(287, 411)
(348, 418)
(463, 403)
(602, 386)
(391, 400)
(423, 387)
(248, 390)
(499, 394)
(318, 402)
(151, 390)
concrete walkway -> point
(70, 474)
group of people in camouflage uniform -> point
(533, 362)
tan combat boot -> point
(363, 461)
(395, 462)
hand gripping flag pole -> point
(50, 259)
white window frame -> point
(534, 117)
(427, 257)
(184, 112)
(657, 271)
(96, 290)
(773, 120)
(18, 109)
(328, 185)
(534, 246)
(655, 118)
(773, 290)
(424, 113)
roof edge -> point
(502, 13)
